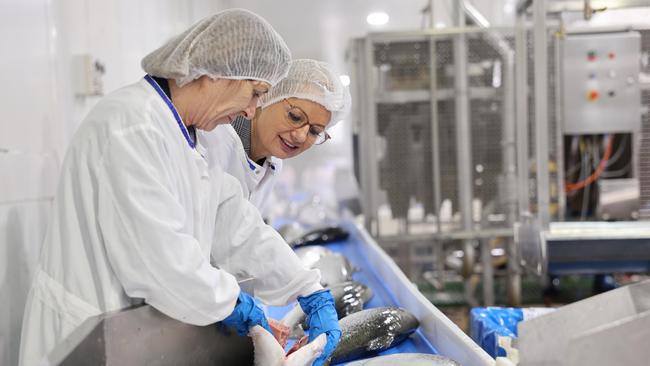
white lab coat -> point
(139, 215)
(225, 148)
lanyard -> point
(164, 97)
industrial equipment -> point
(472, 138)
(444, 174)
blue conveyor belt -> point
(382, 297)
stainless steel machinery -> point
(436, 143)
(475, 141)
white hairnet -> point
(232, 44)
(312, 80)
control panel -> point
(600, 86)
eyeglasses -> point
(297, 118)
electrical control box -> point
(600, 86)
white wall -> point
(39, 40)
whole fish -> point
(334, 267)
(321, 236)
(373, 330)
(349, 297)
(410, 359)
(292, 231)
(310, 255)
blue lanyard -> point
(164, 97)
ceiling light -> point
(379, 18)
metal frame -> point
(438, 248)
(368, 151)
(463, 144)
(541, 112)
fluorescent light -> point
(379, 18)
(440, 25)
(345, 80)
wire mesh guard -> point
(404, 125)
(644, 168)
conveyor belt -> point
(382, 296)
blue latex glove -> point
(246, 314)
(322, 318)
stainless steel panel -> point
(601, 83)
(618, 199)
(145, 336)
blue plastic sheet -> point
(487, 324)
(382, 296)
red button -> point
(593, 95)
(611, 55)
(591, 55)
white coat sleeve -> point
(247, 247)
(142, 224)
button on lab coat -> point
(139, 215)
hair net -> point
(232, 44)
(312, 80)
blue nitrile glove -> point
(246, 314)
(322, 318)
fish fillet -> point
(268, 352)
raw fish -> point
(334, 267)
(321, 236)
(349, 297)
(373, 330)
(268, 351)
(407, 359)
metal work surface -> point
(610, 324)
(145, 336)
(436, 335)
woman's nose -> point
(249, 111)
(300, 134)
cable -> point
(617, 173)
(575, 141)
(571, 187)
(619, 152)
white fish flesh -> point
(268, 351)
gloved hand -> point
(246, 314)
(322, 318)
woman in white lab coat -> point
(292, 117)
(142, 216)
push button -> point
(591, 55)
